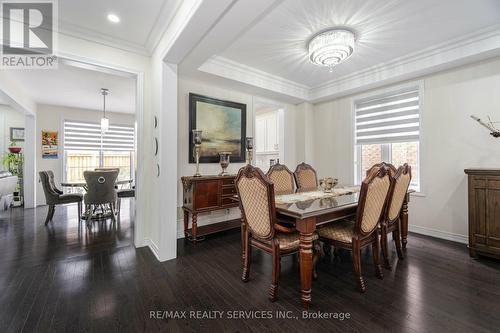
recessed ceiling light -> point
(113, 18)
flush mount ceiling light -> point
(113, 18)
(331, 47)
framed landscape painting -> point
(224, 128)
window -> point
(387, 129)
(266, 138)
(86, 148)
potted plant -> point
(11, 162)
(14, 148)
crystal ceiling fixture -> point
(104, 120)
(331, 47)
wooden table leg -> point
(404, 221)
(186, 224)
(194, 228)
(306, 228)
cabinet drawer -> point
(227, 190)
(229, 201)
(228, 181)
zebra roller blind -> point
(88, 136)
(393, 117)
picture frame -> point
(17, 134)
(223, 126)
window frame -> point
(386, 151)
(62, 151)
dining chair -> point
(282, 179)
(100, 191)
(305, 177)
(401, 180)
(54, 196)
(260, 228)
(363, 231)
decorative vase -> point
(224, 162)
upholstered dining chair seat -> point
(341, 231)
(290, 241)
(70, 198)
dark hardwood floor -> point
(57, 279)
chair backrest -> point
(256, 194)
(391, 168)
(52, 182)
(401, 182)
(282, 178)
(100, 186)
(107, 169)
(305, 177)
(51, 195)
(372, 200)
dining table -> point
(308, 210)
(83, 184)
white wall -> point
(8, 118)
(186, 86)
(451, 142)
(51, 118)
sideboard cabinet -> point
(206, 194)
(484, 212)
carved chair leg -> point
(397, 240)
(327, 249)
(385, 248)
(88, 212)
(356, 264)
(247, 258)
(50, 214)
(273, 290)
(336, 252)
(376, 258)
(243, 239)
(79, 212)
(316, 257)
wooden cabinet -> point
(484, 212)
(206, 194)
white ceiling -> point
(385, 30)
(76, 87)
(140, 28)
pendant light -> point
(104, 120)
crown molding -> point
(72, 30)
(165, 17)
(473, 47)
(233, 70)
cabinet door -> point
(493, 215)
(478, 209)
(206, 194)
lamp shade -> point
(104, 124)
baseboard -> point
(153, 247)
(439, 234)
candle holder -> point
(249, 145)
(197, 145)
(224, 162)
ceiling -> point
(140, 27)
(384, 30)
(76, 87)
